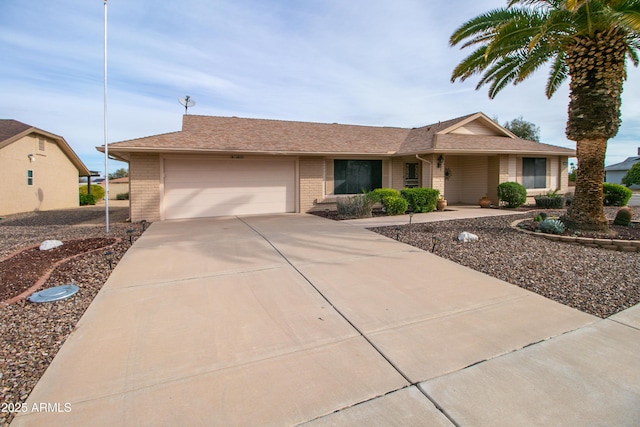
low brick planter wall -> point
(611, 244)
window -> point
(356, 176)
(534, 172)
(29, 177)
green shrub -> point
(379, 194)
(551, 226)
(512, 193)
(615, 194)
(623, 217)
(97, 191)
(421, 199)
(395, 205)
(122, 196)
(632, 176)
(87, 199)
(540, 217)
(551, 200)
(358, 206)
(383, 196)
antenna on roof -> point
(186, 102)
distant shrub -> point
(122, 196)
(551, 200)
(512, 193)
(395, 205)
(421, 199)
(540, 217)
(615, 194)
(87, 199)
(632, 176)
(358, 206)
(97, 191)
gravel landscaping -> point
(594, 280)
(31, 334)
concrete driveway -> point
(291, 319)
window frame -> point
(30, 177)
(343, 169)
(537, 179)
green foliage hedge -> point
(395, 205)
(421, 199)
(97, 191)
(122, 196)
(551, 200)
(615, 194)
(513, 194)
(391, 199)
(87, 199)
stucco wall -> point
(144, 178)
(55, 178)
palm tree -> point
(586, 40)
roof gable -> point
(13, 130)
(476, 124)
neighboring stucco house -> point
(38, 170)
(615, 173)
(234, 166)
(117, 186)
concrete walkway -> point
(452, 212)
(290, 319)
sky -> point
(365, 62)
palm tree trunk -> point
(596, 65)
(587, 212)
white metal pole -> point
(106, 134)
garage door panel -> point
(201, 188)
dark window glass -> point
(534, 172)
(29, 177)
(356, 176)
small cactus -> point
(623, 217)
(551, 226)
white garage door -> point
(196, 188)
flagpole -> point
(106, 138)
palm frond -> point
(559, 73)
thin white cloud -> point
(364, 62)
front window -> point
(29, 177)
(356, 176)
(534, 172)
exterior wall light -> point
(440, 161)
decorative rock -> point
(50, 244)
(465, 236)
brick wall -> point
(311, 170)
(144, 178)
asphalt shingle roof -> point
(233, 134)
